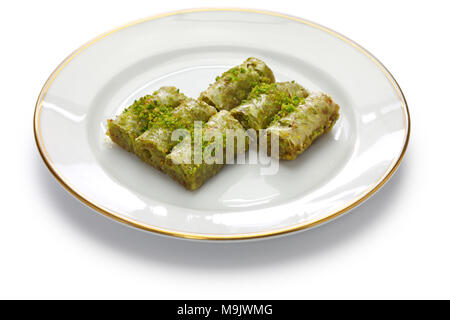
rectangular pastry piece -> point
(265, 101)
(296, 129)
(181, 163)
(234, 85)
(137, 118)
(156, 143)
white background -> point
(396, 245)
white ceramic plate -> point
(188, 49)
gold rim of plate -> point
(198, 236)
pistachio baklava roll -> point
(192, 165)
(138, 117)
(234, 85)
(296, 129)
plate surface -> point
(188, 49)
